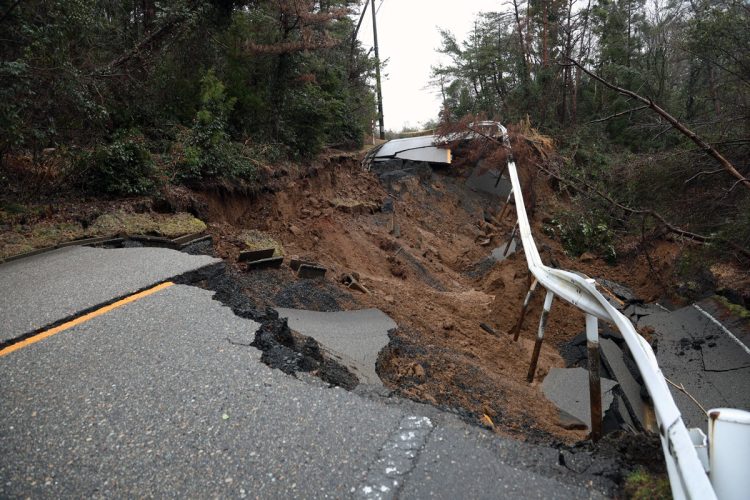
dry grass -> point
(21, 237)
(258, 240)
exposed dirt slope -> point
(428, 275)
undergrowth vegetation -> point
(580, 233)
(118, 98)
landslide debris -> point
(413, 242)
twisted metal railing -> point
(687, 474)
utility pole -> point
(356, 30)
(377, 72)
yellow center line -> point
(82, 319)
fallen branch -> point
(704, 172)
(627, 111)
(682, 389)
(710, 150)
(636, 211)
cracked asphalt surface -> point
(694, 352)
(157, 398)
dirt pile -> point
(415, 237)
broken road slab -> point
(614, 361)
(356, 336)
(254, 255)
(309, 271)
(684, 355)
(568, 389)
(270, 263)
(53, 286)
(471, 465)
(486, 180)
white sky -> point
(408, 38)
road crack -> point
(396, 460)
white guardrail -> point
(687, 474)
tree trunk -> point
(149, 14)
(545, 29)
(524, 57)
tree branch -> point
(158, 34)
(618, 114)
(703, 172)
(11, 9)
(725, 164)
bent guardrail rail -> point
(687, 474)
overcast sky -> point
(407, 37)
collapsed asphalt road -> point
(165, 394)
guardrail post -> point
(595, 383)
(505, 207)
(510, 240)
(540, 335)
(517, 329)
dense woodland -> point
(121, 97)
(567, 67)
(204, 88)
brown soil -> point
(423, 280)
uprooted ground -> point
(417, 239)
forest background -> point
(120, 98)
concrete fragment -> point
(308, 271)
(499, 254)
(158, 241)
(631, 389)
(624, 414)
(351, 281)
(356, 337)
(272, 263)
(568, 421)
(568, 389)
(255, 255)
(620, 291)
(295, 263)
(636, 312)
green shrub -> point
(123, 167)
(580, 233)
(207, 151)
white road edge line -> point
(731, 335)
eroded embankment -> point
(418, 240)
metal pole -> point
(595, 385)
(540, 335)
(377, 72)
(505, 207)
(517, 329)
(510, 240)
